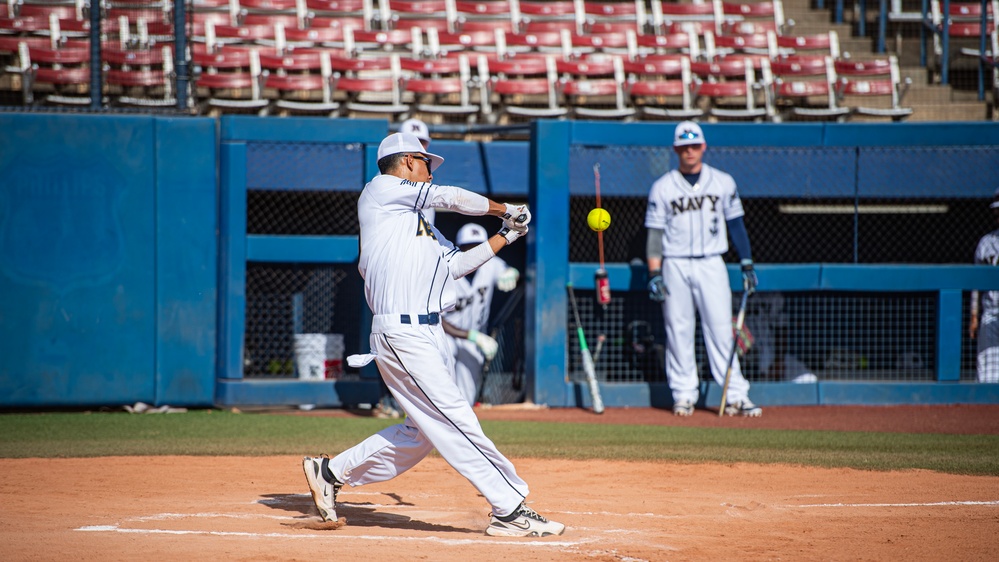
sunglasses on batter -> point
(426, 160)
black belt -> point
(432, 319)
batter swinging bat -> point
(735, 344)
(588, 368)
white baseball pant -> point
(699, 284)
(416, 364)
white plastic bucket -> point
(319, 356)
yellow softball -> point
(598, 219)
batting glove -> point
(749, 279)
(513, 214)
(512, 234)
(486, 343)
(507, 281)
(657, 287)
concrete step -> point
(918, 74)
(936, 95)
(954, 111)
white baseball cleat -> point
(523, 522)
(683, 408)
(744, 408)
(318, 475)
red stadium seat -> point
(806, 88)
(746, 18)
(229, 79)
(817, 45)
(446, 91)
(877, 83)
(730, 87)
(525, 89)
(595, 90)
(662, 87)
(140, 78)
(370, 95)
(303, 81)
(63, 74)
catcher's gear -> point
(657, 287)
(487, 344)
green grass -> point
(213, 432)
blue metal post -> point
(180, 53)
(922, 33)
(862, 24)
(96, 83)
(949, 335)
(981, 49)
(232, 260)
(882, 24)
(548, 263)
(945, 57)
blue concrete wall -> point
(107, 260)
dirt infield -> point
(236, 508)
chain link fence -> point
(792, 337)
(283, 301)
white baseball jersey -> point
(692, 217)
(987, 253)
(471, 312)
(475, 297)
(395, 236)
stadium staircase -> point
(930, 100)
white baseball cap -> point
(687, 133)
(405, 143)
(418, 128)
(471, 233)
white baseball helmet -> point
(418, 128)
(471, 233)
(405, 143)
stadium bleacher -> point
(266, 57)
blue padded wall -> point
(80, 285)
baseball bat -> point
(588, 367)
(735, 344)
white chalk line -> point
(339, 537)
(928, 504)
(398, 507)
